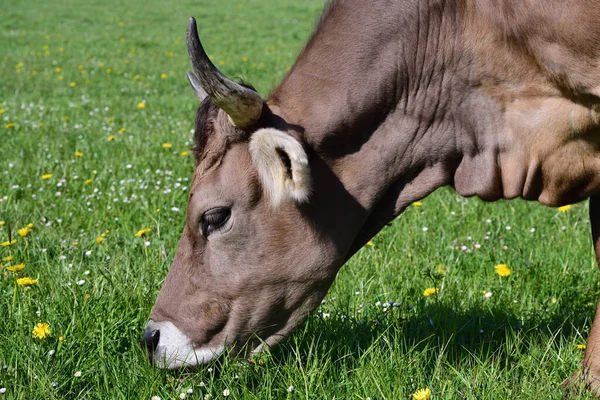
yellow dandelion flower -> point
(72, 84)
(422, 394)
(75, 244)
(61, 338)
(111, 138)
(26, 281)
(66, 118)
(581, 346)
(99, 240)
(16, 268)
(78, 154)
(8, 243)
(566, 208)
(23, 232)
(87, 181)
(46, 176)
(245, 59)
(166, 145)
(8, 258)
(58, 70)
(9, 125)
(108, 70)
(502, 269)
(122, 130)
(440, 269)
(142, 232)
(163, 76)
(40, 125)
(429, 291)
(1, 110)
(141, 105)
(40, 331)
(417, 204)
(60, 78)
(184, 153)
(2, 223)
(30, 225)
(370, 243)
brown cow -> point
(388, 101)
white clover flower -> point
(88, 253)
(77, 374)
(155, 398)
(290, 389)
(80, 282)
(2, 390)
(51, 353)
(226, 393)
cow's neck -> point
(367, 92)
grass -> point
(517, 343)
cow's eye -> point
(214, 219)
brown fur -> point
(391, 100)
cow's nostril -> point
(150, 340)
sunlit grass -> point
(96, 119)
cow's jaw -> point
(176, 350)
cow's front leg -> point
(591, 361)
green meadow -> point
(96, 119)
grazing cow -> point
(389, 100)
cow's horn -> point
(243, 105)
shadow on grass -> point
(461, 333)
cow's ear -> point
(282, 166)
(195, 83)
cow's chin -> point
(175, 350)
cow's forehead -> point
(231, 173)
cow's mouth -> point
(170, 348)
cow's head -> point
(252, 261)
